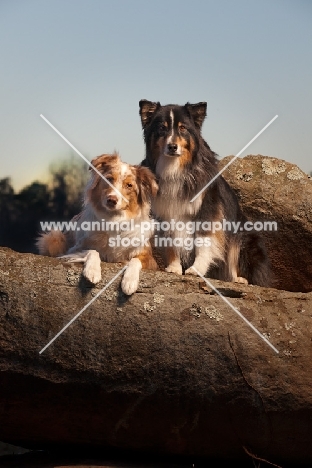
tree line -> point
(57, 200)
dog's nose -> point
(172, 147)
(112, 201)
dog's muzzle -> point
(111, 202)
(173, 150)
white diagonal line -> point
(83, 309)
(237, 311)
(233, 159)
(81, 155)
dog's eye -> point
(182, 128)
(110, 179)
(162, 127)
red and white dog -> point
(123, 195)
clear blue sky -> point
(86, 64)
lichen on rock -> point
(272, 166)
(295, 174)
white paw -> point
(198, 270)
(131, 277)
(92, 267)
(174, 268)
(240, 280)
(191, 271)
(92, 272)
(129, 285)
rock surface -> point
(170, 370)
(271, 189)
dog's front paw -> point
(191, 271)
(92, 273)
(131, 277)
(129, 285)
(240, 280)
(92, 267)
(174, 268)
(196, 271)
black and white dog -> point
(184, 163)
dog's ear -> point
(147, 184)
(197, 112)
(147, 110)
(103, 162)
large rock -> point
(275, 190)
(170, 370)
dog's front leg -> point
(173, 261)
(92, 267)
(131, 277)
(91, 260)
(202, 262)
(205, 256)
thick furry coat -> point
(184, 164)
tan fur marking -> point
(147, 259)
(186, 156)
(233, 257)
